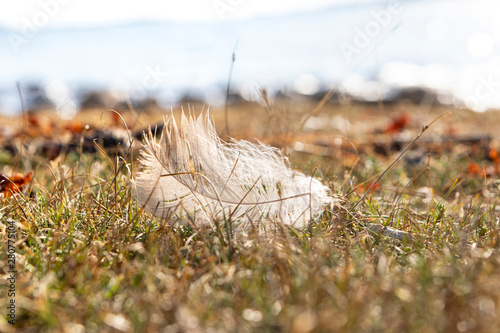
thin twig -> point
(329, 94)
(398, 158)
(233, 59)
(24, 110)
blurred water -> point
(449, 46)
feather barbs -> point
(191, 169)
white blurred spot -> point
(477, 87)
(117, 322)
(57, 91)
(473, 104)
(404, 294)
(299, 146)
(315, 123)
(371, 91)
(250, 91)
(67, 110)
(277, 307)
(306, 84)
(466, 325)
(74, 328)
(439, 77)
(437, 30)
(324, 122)
(480, 45)
(427, 194)
(342, 124)
(445, 98)
(120, 90)
(401, 74)
(487, 306)
(167, 99)
(252, 315)
(353, 83)
(215, 97)
(357, 86)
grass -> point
(88, 260)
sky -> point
(87, 13)
(449, 45)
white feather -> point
(190, 168)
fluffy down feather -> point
(191, 170)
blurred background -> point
(73, 54)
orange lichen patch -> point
(14, 184)
(475, 169)
(34, 120)
(487, 168)
(493, 155)
(362, 189)
(75, 127)
(117, 119)
(398, 124)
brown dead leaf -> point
(14, 184)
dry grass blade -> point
(226, 109)
(89, 259)
(397, 159)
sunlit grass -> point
(90, 260)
